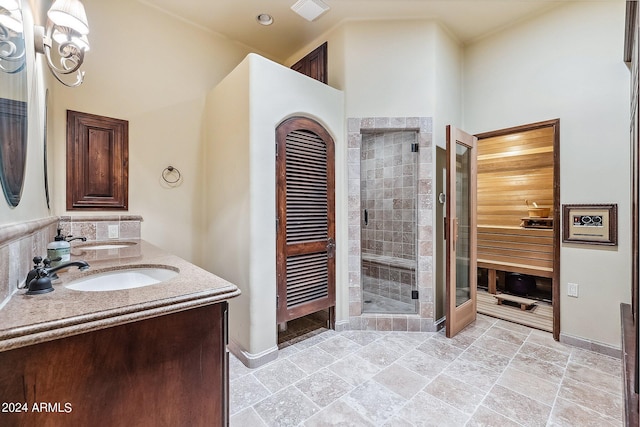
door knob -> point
(331, 247)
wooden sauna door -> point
(305, 219)
(460, 230)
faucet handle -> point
(36, 261)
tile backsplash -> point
(102, 227)
(19, 243)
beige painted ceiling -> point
(236, 19)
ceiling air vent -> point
(310, 9)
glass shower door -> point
(389, 233)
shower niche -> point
(388, 184)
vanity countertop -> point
(32, 319)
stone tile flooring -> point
(494, 373)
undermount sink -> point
(98, 247)
(117, 280)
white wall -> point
(154, 71)
(240, 237)
(226, 238)
(567, 64)
(389, 68)
(398, 68)
(447, 96)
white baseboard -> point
(251, 360)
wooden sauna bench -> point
(515, 250)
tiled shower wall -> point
(388, 169)
(388, 194)
(388, 280)
(424, 319)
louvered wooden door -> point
(305, 219)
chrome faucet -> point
(39, 278)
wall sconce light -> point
(67, 30)
(12, 51)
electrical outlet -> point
(572, 290)
(114, 231)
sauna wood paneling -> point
(517, 164)
(501, 246)
(511, 169)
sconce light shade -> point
(63, 35)
(12, 49)
(9, 5)
(11, 20)
(66, 29)
(69, 13)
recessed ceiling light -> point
(310, 9)
(264, 19)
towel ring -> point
(167, 171)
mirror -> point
(13, 105)
(46, 168)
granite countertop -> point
(31, 319)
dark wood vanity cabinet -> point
(170, 370)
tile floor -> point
(494, 373)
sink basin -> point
(117, 280)
(106, 246)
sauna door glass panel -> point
(388, 230)
(461, 227)
(461, 230)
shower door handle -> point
(445, 227)
(366, 217)
(454, 239)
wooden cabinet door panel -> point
(97, 162)
(170, 370)
(314, 64)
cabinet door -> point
(170, 370)
(97, 162)
(314, 64)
